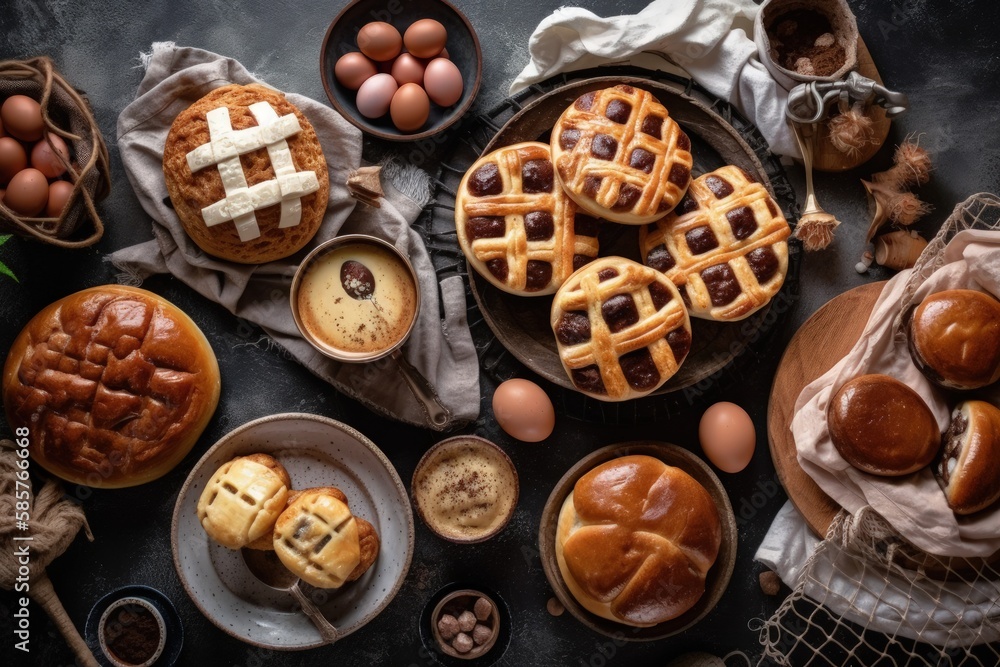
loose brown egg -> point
(407, 69)
(27, 192)
(46, 160)
(443, 82)
(375, 95)
(410, 108)
(523, 410)
(59, 192)
(22, 118)
(425, 38)
(12, 159)
(353, 69)
(380, 41)
(727, 435)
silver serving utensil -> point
(271, 572)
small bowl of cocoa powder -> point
(132, 633)
(806, 40)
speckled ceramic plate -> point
(316, 451)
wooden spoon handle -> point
(44, 594)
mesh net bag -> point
(868, 597)
(66, 113)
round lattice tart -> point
(113, 385)
(246, 174)
(517, 228)
(724, 245)
(621, 329)
(620, 155)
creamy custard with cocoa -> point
(465, 489)
(358, 298)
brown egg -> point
(59, 192)
(22, 118)
(523, 410)
(379, 41)
(407, 69)
(353, 69)
(12, 159)
(375, 95)
(443, 82)
(727, 435)
(425, 38)
(45, 160)
(410, 108)
(27, 192)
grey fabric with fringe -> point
(440, 346)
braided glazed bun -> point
(636, 539)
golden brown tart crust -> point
(115, 384)
(189, 192)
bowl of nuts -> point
(465, 624)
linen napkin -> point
(914, 505)
(711, 39)
(440, 345)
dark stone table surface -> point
(944, 55)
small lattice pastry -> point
(243, 499)
(320, 540)
(517, 228)
(620, 156)
(621, 329)
(246, 174)
(723, 246)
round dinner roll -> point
(969, 469)
(243, 499)
(635, 540)
(254, 194)
(321, 541)
(955, 338)
(114, 385)
(881, 426)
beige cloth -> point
(914, 505)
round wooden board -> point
(822, 341)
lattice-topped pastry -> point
(621, 329)
(620, 156)
(243, 500)
(723, 246)
(517, 227)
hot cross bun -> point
(517, 228)
(621, 329)
(723, 246)
(620, 156)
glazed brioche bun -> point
(969, 470)
(243, 499)
(114, 383)
(881, 426)
(635, 540)
(955, 338)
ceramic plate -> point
(718, 576)
(316, 451)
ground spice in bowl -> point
(132, 632)
(803, 41)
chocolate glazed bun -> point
(881, 426)
(969, 469)
(955, 338)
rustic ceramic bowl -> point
(172, 631)
(718, 575)
(316, 451)
(465, 598)
(103, 630)
(463, 50)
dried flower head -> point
(816, 230)
(913, 163)
(905, 208)
(851, 131)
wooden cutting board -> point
(822, 341)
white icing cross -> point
(224, 149)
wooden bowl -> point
(718, 576)
(464, 599)
(463, 50)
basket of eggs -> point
(53, 161)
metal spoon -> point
(271, 572)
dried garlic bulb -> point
(913, 163)
(851, 131)
(905, 208)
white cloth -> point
(914, 505)
(711, 39)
